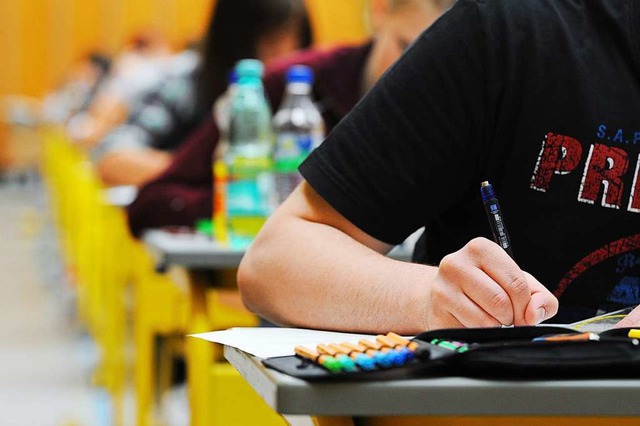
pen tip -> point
(485, 183)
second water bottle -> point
(299, 129)
(250, 188)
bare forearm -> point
(135, 167)
(311, 267)
(313, 275)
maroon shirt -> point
(183, 193)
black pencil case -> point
(505, 353)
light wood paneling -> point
(40, 39)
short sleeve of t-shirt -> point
(409, 149)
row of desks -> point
(337, 403)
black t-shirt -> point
(540, 97)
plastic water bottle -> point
(222, 112)
(250, 189)
(222, 107)
(299, 129)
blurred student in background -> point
(183, 193)
(135, 71)
(140, 149)
(78, 89)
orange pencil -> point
(412, 346)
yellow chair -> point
(180, 303)
(103, 261)
(234, 402)
(229, 398)
(96, 249)
(218, 394)
(117, 276)
(160, 309)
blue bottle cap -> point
(251, 68)
(300, 74)
(233, 76)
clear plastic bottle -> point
(250, 189)
(299, 129)
(222, 112)
(222, 106)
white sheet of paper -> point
(266, 342)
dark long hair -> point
(234, 32)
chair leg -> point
(144, 369)
(199, 355)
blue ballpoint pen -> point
(496, 219)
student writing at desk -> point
(139, 150)
(182, 194)
(542, 98)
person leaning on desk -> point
(542, 98)
(166, 117)
(182, 194)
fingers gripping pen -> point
(496, 219)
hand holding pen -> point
(482, 286)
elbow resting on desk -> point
(247, 283)
(310, 267)
(259, 292)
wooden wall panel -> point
(339, 21)
(34, 73)
(139, 16)
(60, 44)
(10, 47)
(188, 22)
(88, 27)
(40, 39)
